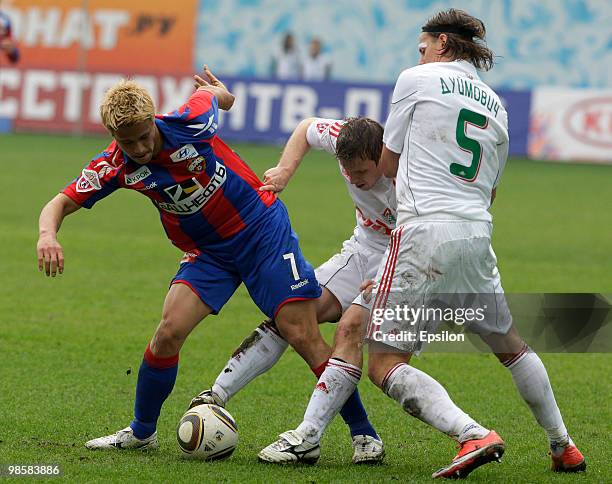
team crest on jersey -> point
(88, 181)
(198, 165)
(137, 176)
(388, 216)
(184, 153)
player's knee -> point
(297, 328)
(296, 338)
(350, 331)
(168, 338)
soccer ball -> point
(207, 432)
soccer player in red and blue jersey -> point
(7, 44)
(211, 208)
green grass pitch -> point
(68, 344)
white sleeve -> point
(502, 156)
(322, 134)
(502, 151)
(403, 101)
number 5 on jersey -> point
(291, 258)
(469, 173)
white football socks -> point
(335, 385)
(424, 398)
(531, 380)
(256, 355)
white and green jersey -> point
(452, 132)
(375, 209)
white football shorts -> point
(446, 271)
(343, 273)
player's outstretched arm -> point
(49, 251)
(214, 85)
(276, 179)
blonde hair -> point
(125, 104)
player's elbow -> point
(64, 204)
(304, 125)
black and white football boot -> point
(290, 448)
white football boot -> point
(368, 450)
(207, 397)
(123, 439)
(290, 448)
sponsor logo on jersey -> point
(150, 186)
(375, 225)
(137, 176)
(190, 257)
(190, 196)
(210, 126)
(184, 153)
(299, 284)
(88, 181)
(198, 165)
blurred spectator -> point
(286, 63)
(317, 66)
(7, 44)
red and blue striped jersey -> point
(204, 191)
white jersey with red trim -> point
(451, 130)
(375, 209)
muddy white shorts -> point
(436, 271)
(343, 273)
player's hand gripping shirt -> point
(203, 190)
(452, 132)
(375, 209)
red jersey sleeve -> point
(98, 179)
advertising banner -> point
(269, 110)
(264, 111)
(571, 125)
(67, 101)
(155, 36)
